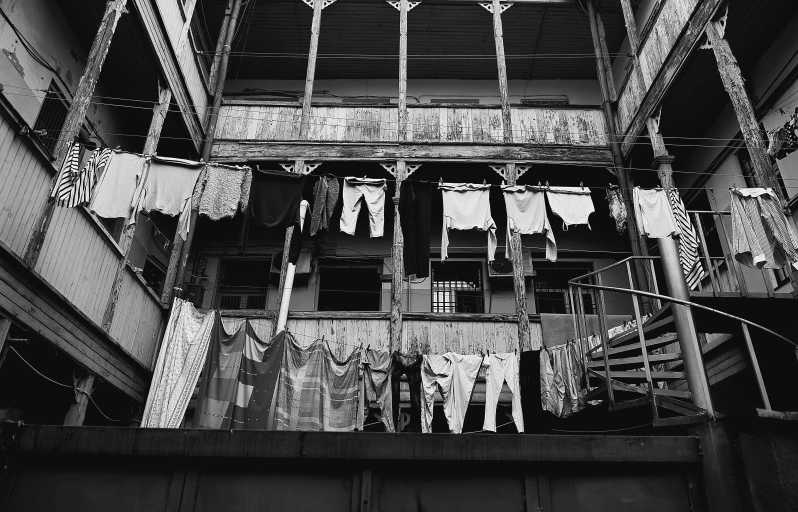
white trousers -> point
(372, 192)
(456, 375)
(501, 368)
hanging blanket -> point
(183, 351)
(317, 392)
(560, 374)
(240, 380)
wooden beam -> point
(213, 75)
(655, 94)
(310, 74)
(75, 116)
(118, 443)
(188, 10)
(504, 95)
(631, 25)
(5, 326)
(178, 259)
(519, 280)
(159, 112)
(403, 8)
(76, 414)
(244, 151)
(606, 58)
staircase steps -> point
(600, 392)
(634, 362)
(681, 421)
(631, 336)
(641, 375)
(629, 350)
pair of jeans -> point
(410, 366)
(372, 192)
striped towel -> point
(317, 392)
(72, 187)
(687, 241)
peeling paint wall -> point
(25, 81)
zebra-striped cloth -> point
(72, 187)
(761, 234)
(317, 392)
(687, 241)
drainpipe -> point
(282, 318)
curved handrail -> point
(679, 301)
(616, 264)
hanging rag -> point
(501, 368)
(377, 381)
(654, 214)
(325, 197)
(410, 367)
(526, 214)
(784, 140)
(222, 191)
(761, 234)
(74, 188)
(318, 392)
(415, 215)
(275, 198)
(455, 376)
(467, 206)
(617, 208)
(240, 380)
(560, 376)
(687, 241)
(572, 204)
(182, 354)
(113, 197)
(167, 188)
(372, 192)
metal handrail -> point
(616, 264)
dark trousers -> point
(410, 366)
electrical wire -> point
(601, 431)
(75, 388)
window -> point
(749, 175)
(457, 287)
(781, 276)
(349, 286)
(51, 117)
(154, 273)
(243, 284)
(551, 286)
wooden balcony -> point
(252, 130)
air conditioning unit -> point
(501, 267)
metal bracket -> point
(309, 168)
(489, 6)
(721, 29)
(521, 169)
(409, 169)
(397, 4)
(391, 168)
(287, 167)
(324, 4)
(501, 170)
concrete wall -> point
(25, 81)
(579, 92)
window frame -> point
(483, 284)
(590, 266)
(220, 289)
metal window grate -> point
(551, 287)
(52, 117)
(243, 284)
(457, 287)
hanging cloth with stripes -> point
(687, 241)
(73, 187)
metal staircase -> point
(642, 365)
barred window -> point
(457, 287)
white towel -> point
(113, 197)
(653, 212)
(467, 206)
(526, 214)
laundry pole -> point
(285, 300)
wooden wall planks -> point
(336, 123)
(654, 50)
(138, 321)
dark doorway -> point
(349, 288)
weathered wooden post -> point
(75, 116)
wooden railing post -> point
(734, 83)
(397, 254)
(496, 8)
(173, 283)
(76, 414)
(75, 116)
(159, 112)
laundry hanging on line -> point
(180, 360)
(222, 191)
(325, 197)
(653, 213)
(783, 141)
(501, 368)
(370, 191)
(687, 241)
(274, 203)
(561, 392)
(240, 380)
(454, 375)
(467, 206)
(377, 384)
(415, 216)
(73, 186)
(113, 196)
(571, 204)
(617, 207)
(526, 214)
(410, 367)
(761, 234)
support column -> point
(76, 414)
(5, 327)
(676, 284)
(159, 112)
(497, 8)
(511, 175)
(397, 254)
(631, 25)
(213, 75)
(638, 246)
(75, 116)
(173, 284)
(734, 83)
